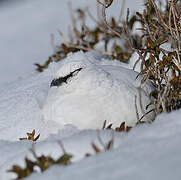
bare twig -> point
(146, 114)
(122, 10)
(177, 61)
(100, 140)
(140, 90)
(160, 19)
(71, 15)
(136, 108)
(53, 46)
(105, 21)
(62, 147)
(80, 47)
(92, 17)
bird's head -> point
(64, 79)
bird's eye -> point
(59, 81)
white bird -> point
(88, 89)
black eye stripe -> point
(59, 81)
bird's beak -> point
(55, 82)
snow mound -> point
(21, 104)
(146, 152)
(149, 151)
(101, 90)
(89, 89)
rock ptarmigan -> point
(89, 89)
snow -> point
(148, 151)
(101, 90)
(102, 84)
(25, 36)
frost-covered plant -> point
(41, 162)
(160, 65)
(85, 38)
(30, 136)
(121, 128)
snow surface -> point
(101, 90)
(26, 26)
(149, 151)
(33, 104)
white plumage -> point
(88, 89)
